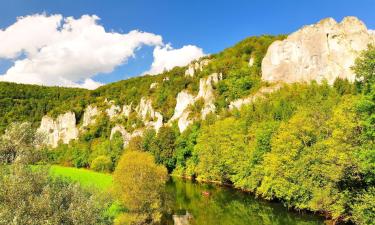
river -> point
(208, 204)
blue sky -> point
(210, 25)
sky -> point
(88, 43)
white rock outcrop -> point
(89, 115)
(326, 50)
(261, 93)
(62, 128)
(153, 85)
(113, 110)
(184, 100)
(206, 92)
(148, 115)
(251, 61)
(126, 136)
(126, 110)
(196, 66)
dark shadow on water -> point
(208, 204)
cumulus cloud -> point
(371, 32)
(165, 57)
(52, 50)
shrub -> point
(102, 164)
(139, 184)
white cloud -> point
(90, 84)
(371, 32)
(66, 51)
(165, 58)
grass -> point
(86, 178)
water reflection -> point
(206, 204)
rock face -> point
(113, 111)
(181, 113)
(148, 114)
(89, 116)
(126, 136)
(153, 85)
(250, 99)
(206, 92)
(184, 100)
(325, 50)
(197, 66)
(251, 61)
(63, 128)
(126, 110)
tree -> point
(138, 184)
(20, 143)
(222, 151)
(29, 196)
(102, 164)
(164, 147)
(364, 68)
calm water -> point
(207, 204)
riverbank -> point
(324, 215)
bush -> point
(102, 164)
(30, 197)
(19, 144)
(139, 185)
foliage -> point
(364, 207)
(138, 184)
(31, 197)
(20, 143)
(364, 68)
(101, 164)
(221, 150)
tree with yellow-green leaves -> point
(139, 184)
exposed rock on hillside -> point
(89, 115)
(261, 93)
(126, 110)
(206, 92)
(148, 115)
(63, 128)
(251, 61)
(113, 110)
(125, 135)
(196, 66)
(325, 50)
(153, 85)
(184, 100)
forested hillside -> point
(20, 102)
(309, 145)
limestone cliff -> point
(125, 134)
(184, 100)
(261, 93)
(325, 50)
(62, 128)
(113, 110)
(149, 116)
(89, 115)
(196, 67)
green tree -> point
(20, 143)
(164, 147)
(139, 184)
(221, 151)
(364, 68)
(102, 164)
(29, 196)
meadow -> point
(86, 178)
